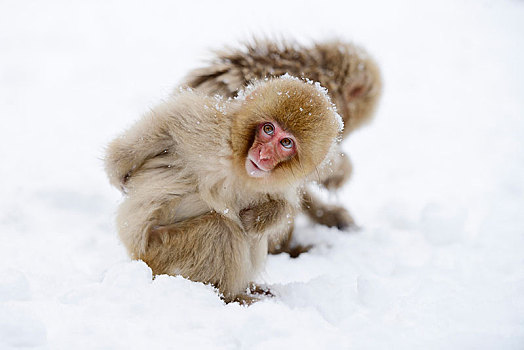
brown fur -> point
(347, 71)
(190, 208)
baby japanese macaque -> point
(347, 71)
(208, 181)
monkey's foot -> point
(244, 299)
(259, 290)
(253, 294)
(335, 216)
(293, 251)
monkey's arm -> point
(146, 139)
(266, 215)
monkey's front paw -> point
(247, 215)
(250, 219)
(338, 217)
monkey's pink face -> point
(271, 146)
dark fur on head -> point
(300, 108)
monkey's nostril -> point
(262, 155)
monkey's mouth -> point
(254, 170)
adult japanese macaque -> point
(347, 71)
(208, 181)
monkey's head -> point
(282, 132)
(353, 80)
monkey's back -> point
(338, 66)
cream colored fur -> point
(186, 210)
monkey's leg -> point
(342, 170)
(209, 248)
(326, 214)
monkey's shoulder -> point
(195, 118)
(196, 126)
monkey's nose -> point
(264, 154)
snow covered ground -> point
(438, 185)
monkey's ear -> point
(358, 86)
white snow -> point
(438, 187)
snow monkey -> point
(208, 180)
(347, 71)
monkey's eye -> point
(269, 128)
(286, 143)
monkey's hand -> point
(262, 216)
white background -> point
(438, 186)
